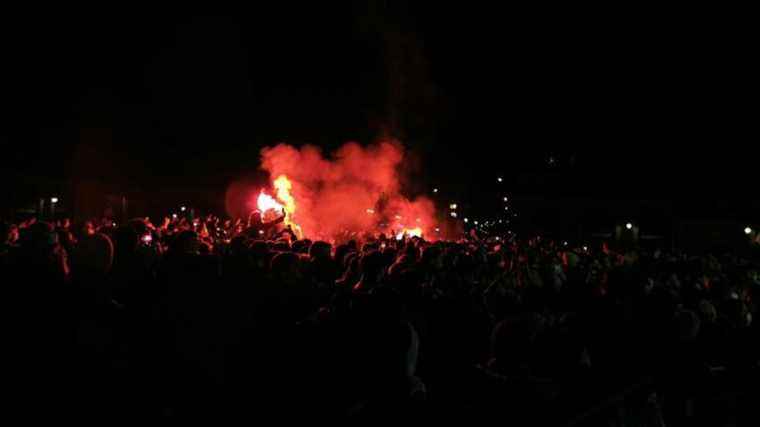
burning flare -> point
(409, 232)
(265, 203)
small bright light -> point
(498, 238)
(398, 216)
(174, 216)
(453, 206)
(261, 231)
(435, 190)
(113, 224)
(499, 179)
(475, 222)
(466, 220)
(564, 243)
(370, 211)
(453, 214)
(629, 225)
(506, 208)
(747, 230)
(437, 230)
(585, 248)
(54, 200)
(506, 198)
(183, 208)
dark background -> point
(566, 104)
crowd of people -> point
(211, 319)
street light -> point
(629, 225)
(54, 200)
(453, 206)
(435, 190)
(499, 179)
(747, 230)
(183, 208)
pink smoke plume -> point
(356, 189)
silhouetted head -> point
(372, 265)
(93, 255)
(186, 242)
(320, 250)
(286, 268)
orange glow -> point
(283, 186)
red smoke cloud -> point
(356, 189)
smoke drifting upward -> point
(356, 189)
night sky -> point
(602, 103)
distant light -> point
(629, 225)
(564, 243)
(261, 231)
(435, 190)
(370, 211)
(585, 248)
(453, 206)
(54, 200)
(499, 221)
(113, 224)
(506, 208)
(498, 238)
(437, 230)
(747, 230)
(183, 208)
(453, 214)
(475, 222)
(398, 216)
(174, 216)
(466, 220)
(499, 179)
(506, 198)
